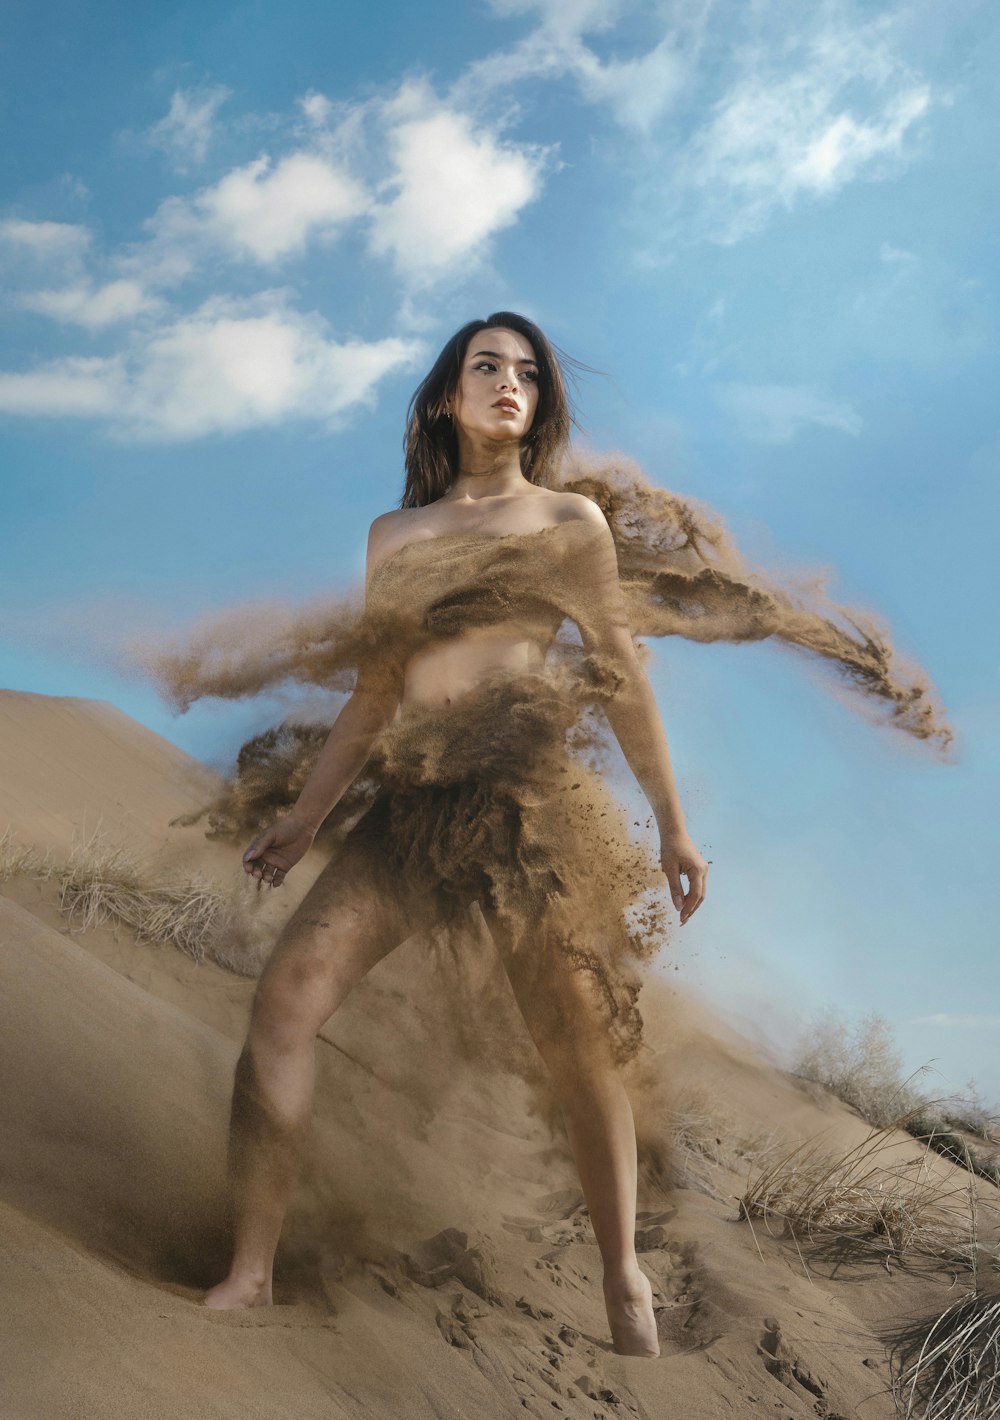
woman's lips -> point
(508, 404)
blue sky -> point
(233, 236)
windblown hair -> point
(430, 445)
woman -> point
(468, 584)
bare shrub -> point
(861, 1066)
(967, 1110)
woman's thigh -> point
(353, 915)
(564, 989)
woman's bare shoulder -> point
(584, 524)
(390, 530)
(577, 507)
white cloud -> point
(45, 239)
(891, 255)
(86, 387)
(803, 121)
(261, 211)
(638, 91)
(186, 132)
(92, 306)
(564, 19)
(226, 367)
(455, 187)
(316, 108)
(775, 414)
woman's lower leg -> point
(272, 1102)
(601, 1133)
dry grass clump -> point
(102, 882)
(895, 1205)
(949, 1369)
(707, 1143)
(19, 859)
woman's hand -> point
(275, 852)
(679, 855)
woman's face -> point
(497, 392)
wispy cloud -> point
(185, 133)
(92, 306)
(788, 105)
(637, 91)
(316, 108)
(45, 239)
(802, 118)
(226, 367)
(775, 414)
(915, 308)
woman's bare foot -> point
(629, 1301)
(236, 1292)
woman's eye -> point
(485, 365)
(531, 375)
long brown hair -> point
(430, 445)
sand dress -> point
(484, 801)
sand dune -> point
(65, 761)
(437, 1261)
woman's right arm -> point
(348, 745)
(351, 739)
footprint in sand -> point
(687, 1319)
(786, 1365)
(564, 1219)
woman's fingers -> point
(257, 864)
(695, 869)
(697, 876)
(256, 851)
(676, 891)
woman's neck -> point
(487, 470)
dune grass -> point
(708, 1143)
(897, 1207)
(103, 881)
(948, 1368)
(19, 859)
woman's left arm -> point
(634, 716)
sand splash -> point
(679, 574)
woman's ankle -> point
(623, 1277)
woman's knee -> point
(296, 993)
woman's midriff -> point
(444, 673)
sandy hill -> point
(437, 1261)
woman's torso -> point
(484, 595)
